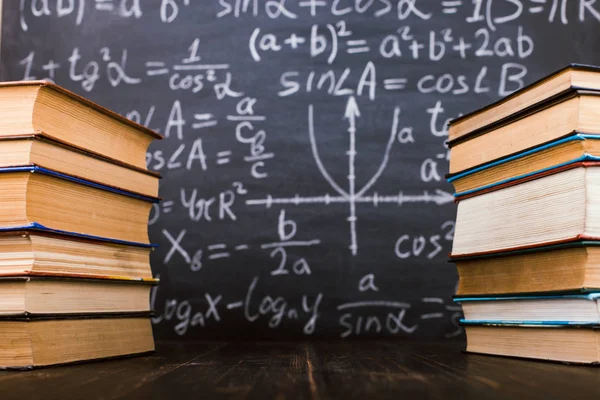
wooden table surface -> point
(306, 370)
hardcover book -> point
(555, 208)
(565, 343)
(28, 107)
(527, 165)
(35, 196)
(544, 309)
(574, 112)
(41, 151)
(566, 267)
(30, 342)
(44, 252)
(520, 103)
(33, 295)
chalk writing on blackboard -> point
(304, 152)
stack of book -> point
(75, 197)
(526, 171)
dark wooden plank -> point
(261, 370)
(110, 379)
(374, 369)
(318, 370)
(510, 377)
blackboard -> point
(304, 154)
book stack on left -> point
(75, 197)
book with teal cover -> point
(526, 250)
(592, 296)
(575, 137)
(34, 226)
(531, 324)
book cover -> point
(49, 172)
(578, 136)
(35, 227)
(578, 241)
(554, 95)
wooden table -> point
(306, 370)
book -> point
(34, 342)
(39, 252)
(559, 207)
(572, 76)
(33, 195)
(527, 239)
(566, 267)
(544, 309)
(585, 161)
(42, 151)
(52, 295)
(573, 112)
(559, 153)
(546, 342)
(28, 107)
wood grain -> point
(317, 370)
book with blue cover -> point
(43, 252)
(41, 150)
(43, 199)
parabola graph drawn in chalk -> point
(353, 196)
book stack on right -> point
(526, 172)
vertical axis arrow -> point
(352, 112)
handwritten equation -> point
(491, 12)
(304, 144)
(356, 319)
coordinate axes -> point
(353, 196)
